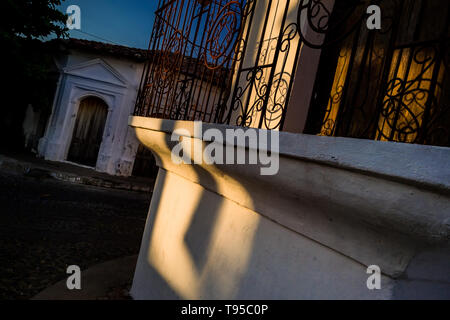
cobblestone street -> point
(46, 225)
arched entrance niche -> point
(88, 131)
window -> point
(388, 85)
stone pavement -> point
(64, 171)
(47, 225)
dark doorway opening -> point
(88, 131)
(145, 163)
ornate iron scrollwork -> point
(189, 71)
(388, 84)
(233, 62)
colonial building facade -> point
(364, 179)
(96, 92)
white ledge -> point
(427, 166)
(374, 202)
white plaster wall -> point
(336, 206)
(200, 245)
(113, 80)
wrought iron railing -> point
(390, 84)
(188, 74)
(234, 62)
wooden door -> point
(88, 131)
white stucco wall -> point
(205, 246)
(115, 81)
(336, 207)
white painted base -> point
(336, 207)
(199, 245)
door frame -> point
(104, 119)
(73, 120)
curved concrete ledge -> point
(426, 166)
(374, 203)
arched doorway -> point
(88, 131)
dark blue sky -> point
(125, 22)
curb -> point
(97, 182)
(28, 169)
